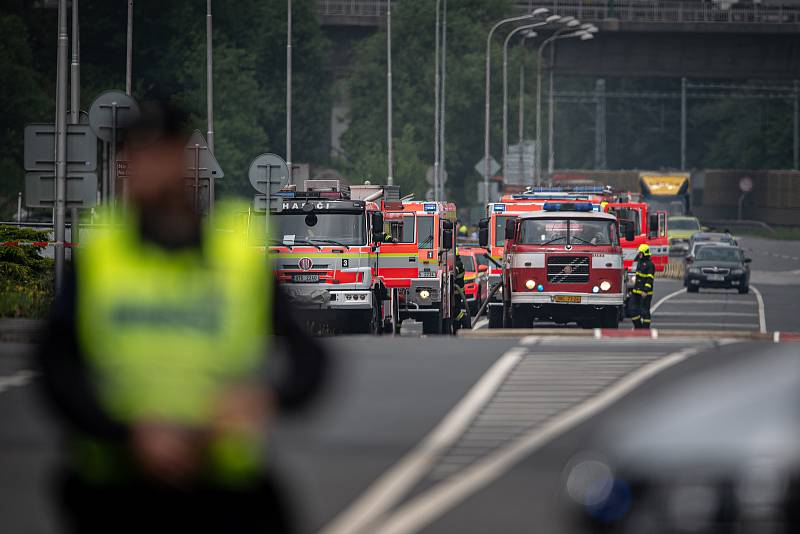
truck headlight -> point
(530, 284)
(424, 294)
(605, 285)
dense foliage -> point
(169, 62)
(26, 278)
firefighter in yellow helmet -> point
(642, 293)
(155, 359)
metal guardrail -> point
(645, 11)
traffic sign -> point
(112, 110)
(40, 190)
(200, 160)
(519, 170)
(123, 168)
(493, 166)
(429, 176)
(746, 184)
(40, 142)
(268, 174)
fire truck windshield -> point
(567, 232)
(469, 263)
(499, 229)
(344, 228)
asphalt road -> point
(447, 434)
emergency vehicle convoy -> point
(361, 258)
(563, 264)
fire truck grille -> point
(567, 269)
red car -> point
(476, 275)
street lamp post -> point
(487, 116)
(436, 111)
(289, 89)
(551, 119)
(558, 35)
(389, 155)
(505, 87)
(442, 158)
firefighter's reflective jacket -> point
(645, 275)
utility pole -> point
(61, 142)
(683, 123)
(796, 137)
(436, 111)
(389, 155)
(521, 114)
(600, 124)
(75, 103)
(129, 51)
(210, 100)
(551, 106)
(289, 90)
(442, 147)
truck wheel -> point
(521, 317)
(610, 318)
(432, 323)
(447, 327)
(744, 289)
(506, 315)
(376, 319)
(692, 289)
(495, 314)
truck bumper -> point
(320, 298)
(592, 299)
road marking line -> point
(392, 486)
(776, 337)
(762, 319)
(666, 298)
(432, 504)
(726, 302)
(18, 379)
(700, 326)
(712, 314)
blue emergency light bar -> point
(499, 208)
(430, 208)
(567, 206)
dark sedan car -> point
(720, 266)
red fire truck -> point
(417, 258)
(325, 252)
(650, 227)
(515, 205)
(562, 264)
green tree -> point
(413, 26)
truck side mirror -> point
(447, 239)
(377, 226)
(483, 232)
(510, 227)
(652, 225)
(627, 229)
(484, 268)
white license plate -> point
(427, 274)
(305, 278)
(715, 277)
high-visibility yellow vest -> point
(165, 332)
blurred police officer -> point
(156, 361)
(642, 293)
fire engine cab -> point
(324, 255)
(562, 264)
(417, 258)
(649, 227)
